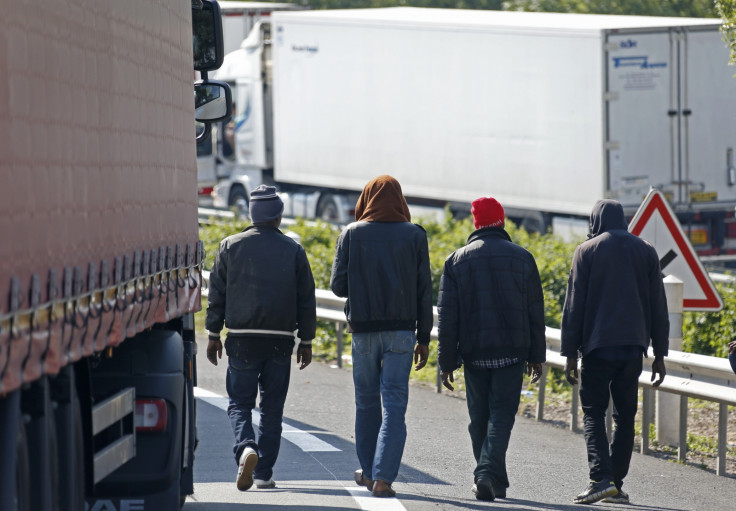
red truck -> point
(100, 262)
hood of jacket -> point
(607, 215)
(382, 201)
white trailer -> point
(546, 112)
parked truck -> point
(100, 262)
(547, 112)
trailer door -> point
(708, 98)
(640, 128)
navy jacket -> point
(382, 268)
(262, 281)
(615, 295)
(491, 303)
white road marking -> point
(367, 502)
(310, 443)
(305, 441)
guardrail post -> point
(339, 329)
(540, 394)
(668, 405)
(439, 380)
(682, 440)
(574, 407)
(722, 438)
(647, 416)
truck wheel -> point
(238, 200)
(22, 470)
(327, 208)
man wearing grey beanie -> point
(261, 287)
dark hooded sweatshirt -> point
(615, 295)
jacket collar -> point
(489, 232)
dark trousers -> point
(493, 399)
(244, 380)
(601, 381)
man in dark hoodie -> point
(382, 267)
(615, 304)
(261, 287)
(491, 319)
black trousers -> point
(601, 381)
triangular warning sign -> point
(656, 222)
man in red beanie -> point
(491, 320)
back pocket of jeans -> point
(402, 342)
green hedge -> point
(706, 333)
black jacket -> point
(615, 295)
(261, 280)
(491, 303)
(382, 268)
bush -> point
(706, 333)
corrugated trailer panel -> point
(97, 160)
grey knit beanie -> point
(265, 204)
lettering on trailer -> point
(639, 61)
(109, 505)
(656, 222)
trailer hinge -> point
(611, 46)
(612, 145)
(611, 96)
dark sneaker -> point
(483, 489)
(499, 493)
(596, 490)
(620, 498)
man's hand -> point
(658, 369)
(534, 369)
(447, 376)
(303, 356)
(214, 350)
(421, 354)
(571, 370)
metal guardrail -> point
(699, 367)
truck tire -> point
(328, 208)
(22, 470)
(238, 199)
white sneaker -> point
(248, 461)
(262, 484)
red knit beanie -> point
(487, 212)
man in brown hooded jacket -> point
(382, 267)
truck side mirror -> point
(212, 101)
(207, 35)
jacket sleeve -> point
(447, 311)
(215, 319)
(538, 345)
(573, 311)
(306, 301)
(425, 315)
(660, 320)
(339, 277)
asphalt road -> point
(547, 465)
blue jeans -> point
(381, 366)
(243, 382)
(493, 397)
